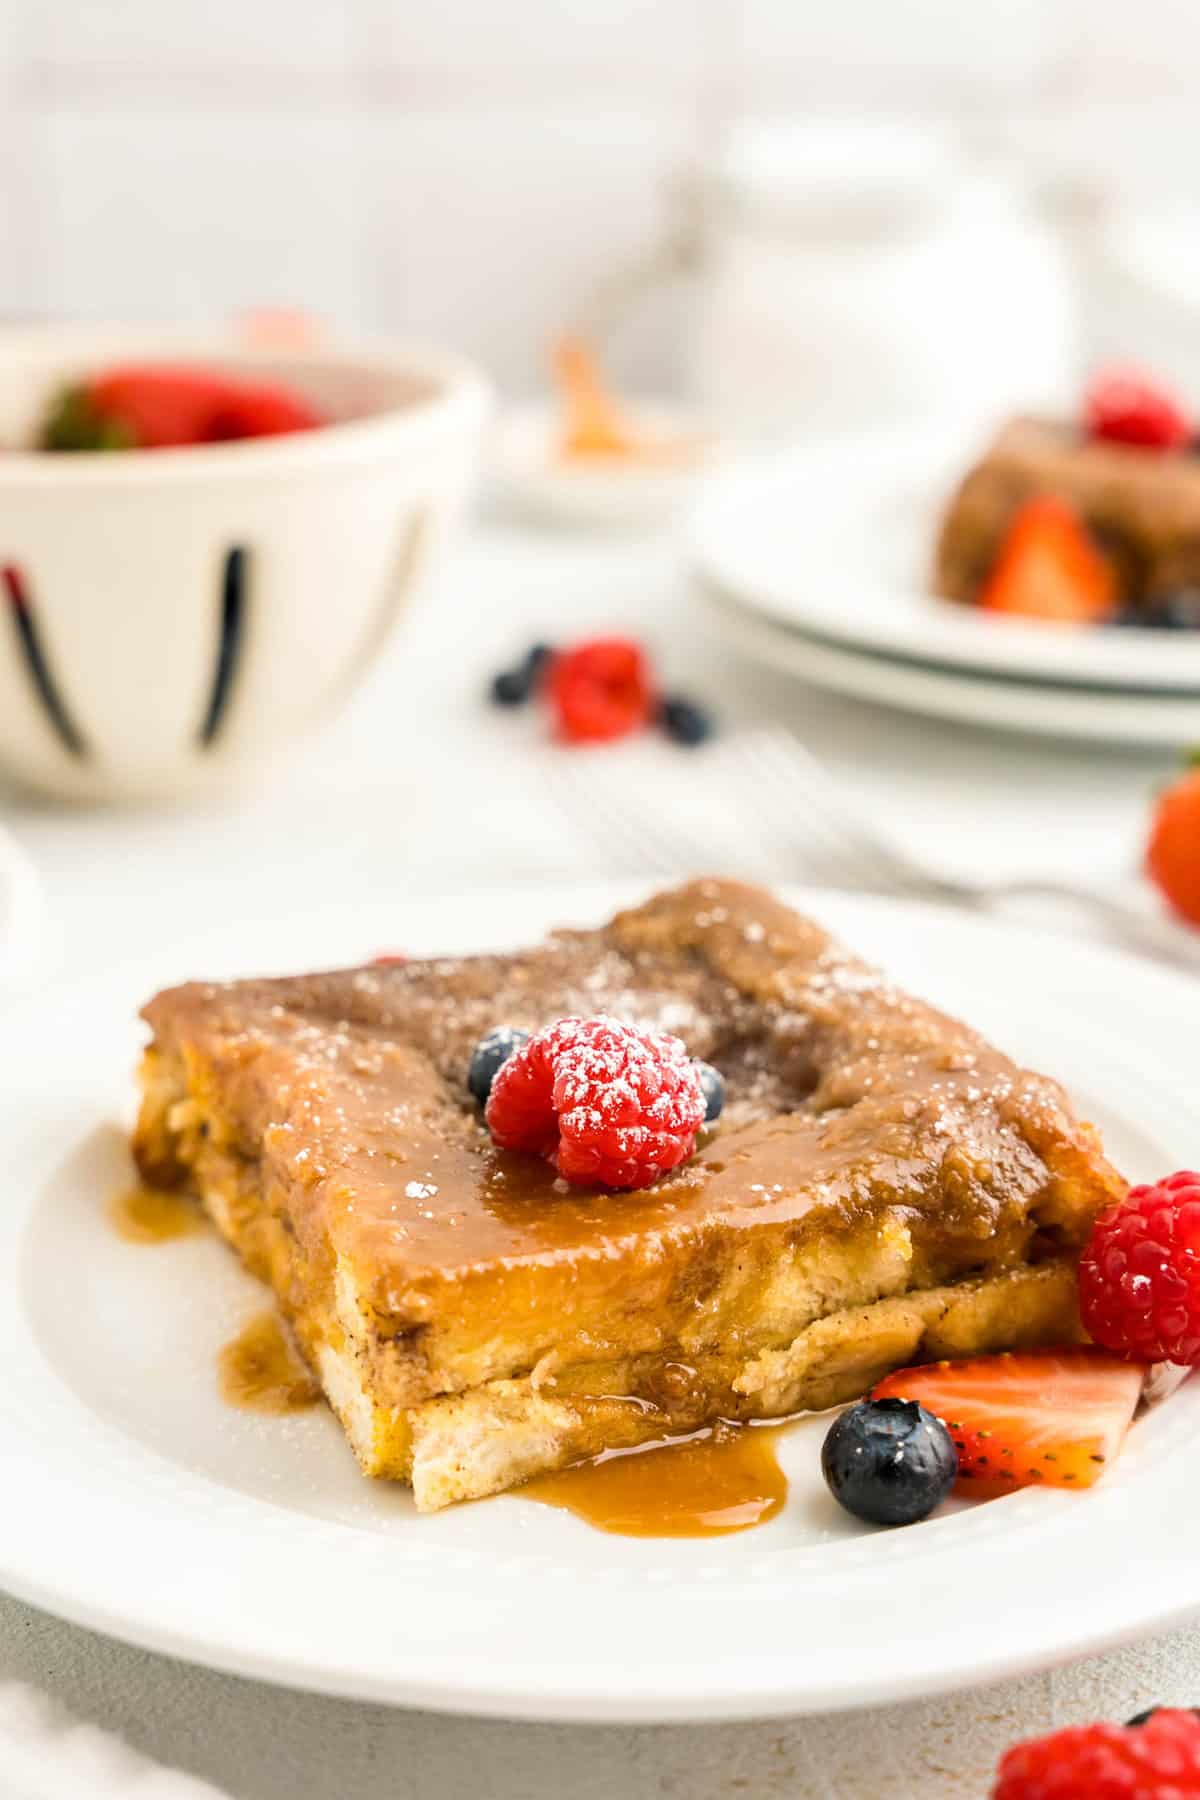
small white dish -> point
(142, 1507)
(836, 540)
(1165, 721)
(534, 477)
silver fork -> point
(770, 808)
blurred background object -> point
(399, 167)
(183, 613)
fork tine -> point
(619, 846)
(582, 784)
(803, 816)
(799, 771)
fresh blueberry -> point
(712, 1086)
(1176, 611)
(684, 721)
(889, 1461)
(488, 1056)
(510, 687)
(536, 658)
(513, 687)
(1142, 1717)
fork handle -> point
(1157, 938)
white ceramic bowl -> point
(187, 611)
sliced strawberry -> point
(1046, 1418)
(1049, 568)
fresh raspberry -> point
(608, 1105)
(600, 690)
(1125, 408)
(155, 407)
(1159, 1760)
(1173, 853)
(1139, 1275)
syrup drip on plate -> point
(259, 1371)
(719, 1481)
(147, 1215)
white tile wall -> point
(156, 213)
(948, 53)
(491, 221)
(467, 168)
(610, 47)
(152, 41)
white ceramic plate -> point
(135, 1503)
(1166, 720)
(836, 540)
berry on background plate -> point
(1049, 568)
(1159, 1760)
(1123, 406)
(1044, 1418)
(1178, 610)
(1173, 852)
(608, 1105)
(888, 1461)
(1139, 1274)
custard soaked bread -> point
(1143, 508)
(884, 1187)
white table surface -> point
(411, 788)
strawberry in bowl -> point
(160, 406)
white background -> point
(467, 169)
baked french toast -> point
(884, 1188)
(1142, 508)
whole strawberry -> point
(1139, 1274)
(1159, 1760)
(1173, 852)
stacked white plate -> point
(819, 564)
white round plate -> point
(135, 1503)
(1168, 721)
(837, 540)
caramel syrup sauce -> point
(721, 1480)
(259, 1371)
(147, 1215)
